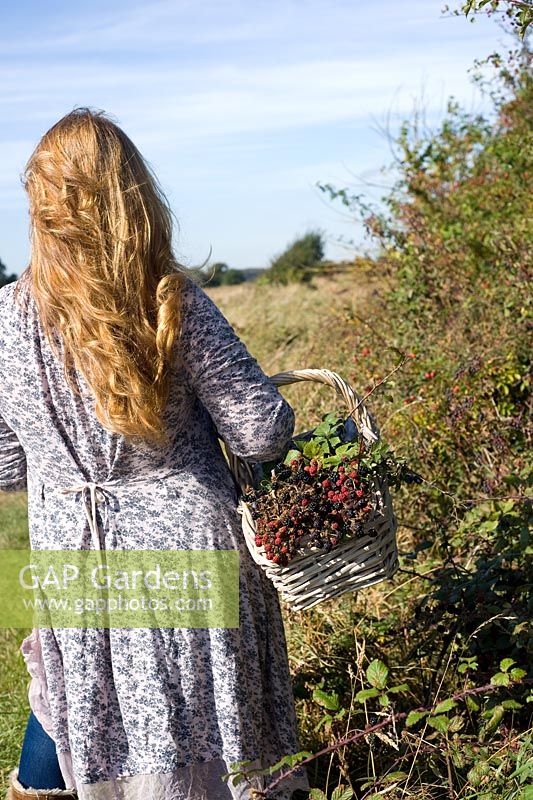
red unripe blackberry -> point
(331, 493)
(277, 540)
(284, 549)
(294, 462)
(275, 558)
(334, 525)
(273, 523)
(305, 501)
(307, 468)
(268, 547)
(353, 474)
(258, 541)
(326, 484)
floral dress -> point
(142, 714)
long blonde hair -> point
(102, 270)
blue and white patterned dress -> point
(140, 714)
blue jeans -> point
(39, 767)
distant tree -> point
(4, 277)
(222, 275)
(298, 262)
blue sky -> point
(240, 106)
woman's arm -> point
(249, 412)
(12, 460)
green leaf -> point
(377, 674)
(472, 703)
(440, 723)
(366, 694)
(331, 461)
(496, 718)
(402, 687)
(445, 705)
(329, 701)
(512, 705)
(384, 700)
(290, 455)
(415, 716)
(300, 443)
(342, 793)
(456, 724)
(323, 429)
(317, 794)
(311, 449)
(501, 679)
(517, 674)
(391, 777)
(506, 663)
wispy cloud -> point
(277, 90)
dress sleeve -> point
(13, 476)
(250, 414)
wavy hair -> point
(102, 271)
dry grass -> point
(300, 327)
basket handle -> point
(243, 472)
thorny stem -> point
(489, 687)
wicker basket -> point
(355, 562)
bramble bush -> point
(423, 689)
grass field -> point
(14, 678)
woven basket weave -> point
(356, 562)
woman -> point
(118, 374)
